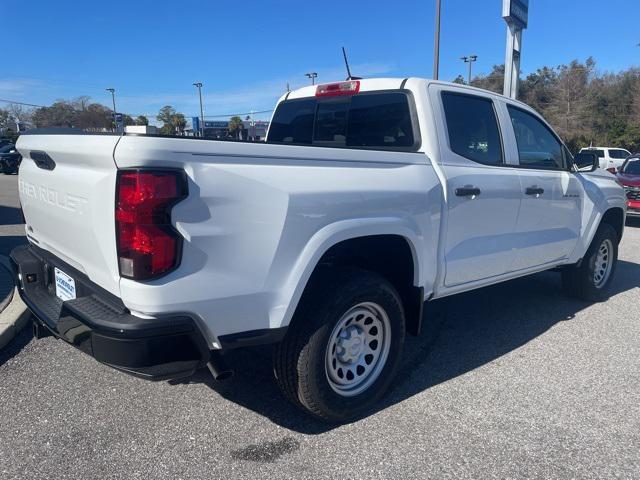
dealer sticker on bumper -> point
(65, 286)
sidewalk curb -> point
(14, 315)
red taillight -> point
(148, 245)
(336, 89)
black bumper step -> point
(99, 324)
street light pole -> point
(199, 87)
(312, 76)
(470, 59)
(113, 99)
(436, 43)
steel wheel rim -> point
(603, 263)
(358, 349)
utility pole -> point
(436, 42)
(312, 76)
(252, 125)
(470, 59)
(113, 99)
(198, 85)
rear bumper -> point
(97, 322)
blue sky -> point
(245, 52)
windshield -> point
(7, 148)
(632, 166)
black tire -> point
(579, 282)
(299, 361)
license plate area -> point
(65, 285)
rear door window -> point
(374, 120)
(473, 127)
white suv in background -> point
(610, 158)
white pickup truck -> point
(157, 255)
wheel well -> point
(390, 256)
(615, 218)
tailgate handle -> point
(43, 160)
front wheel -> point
(344, 344)
(592, 279)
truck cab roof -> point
(393, 83)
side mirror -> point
(586, 162)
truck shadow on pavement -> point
(460, 333)
(8, 243)
(633, 222)
(10, 215)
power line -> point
(21, 103)
(149, 114)
(238, 114)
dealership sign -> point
(195, 121)
(516, 12)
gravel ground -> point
(513, 381)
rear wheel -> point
(591, 280)
(344, 344)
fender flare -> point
(607, 204)
(291, 292)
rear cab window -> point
(380, 120)
(618, 154)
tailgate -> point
(67, 191)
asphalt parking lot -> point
(512, 381)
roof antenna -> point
(346, 62)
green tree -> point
(173, 123)
(61, 113)
(235, 126)
(493, 82)
(165, 115)
(459, 80)
(142, 120)
(4, 118)
(94, 116)
(179, 123)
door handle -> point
(468, 191)
(534, 191)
